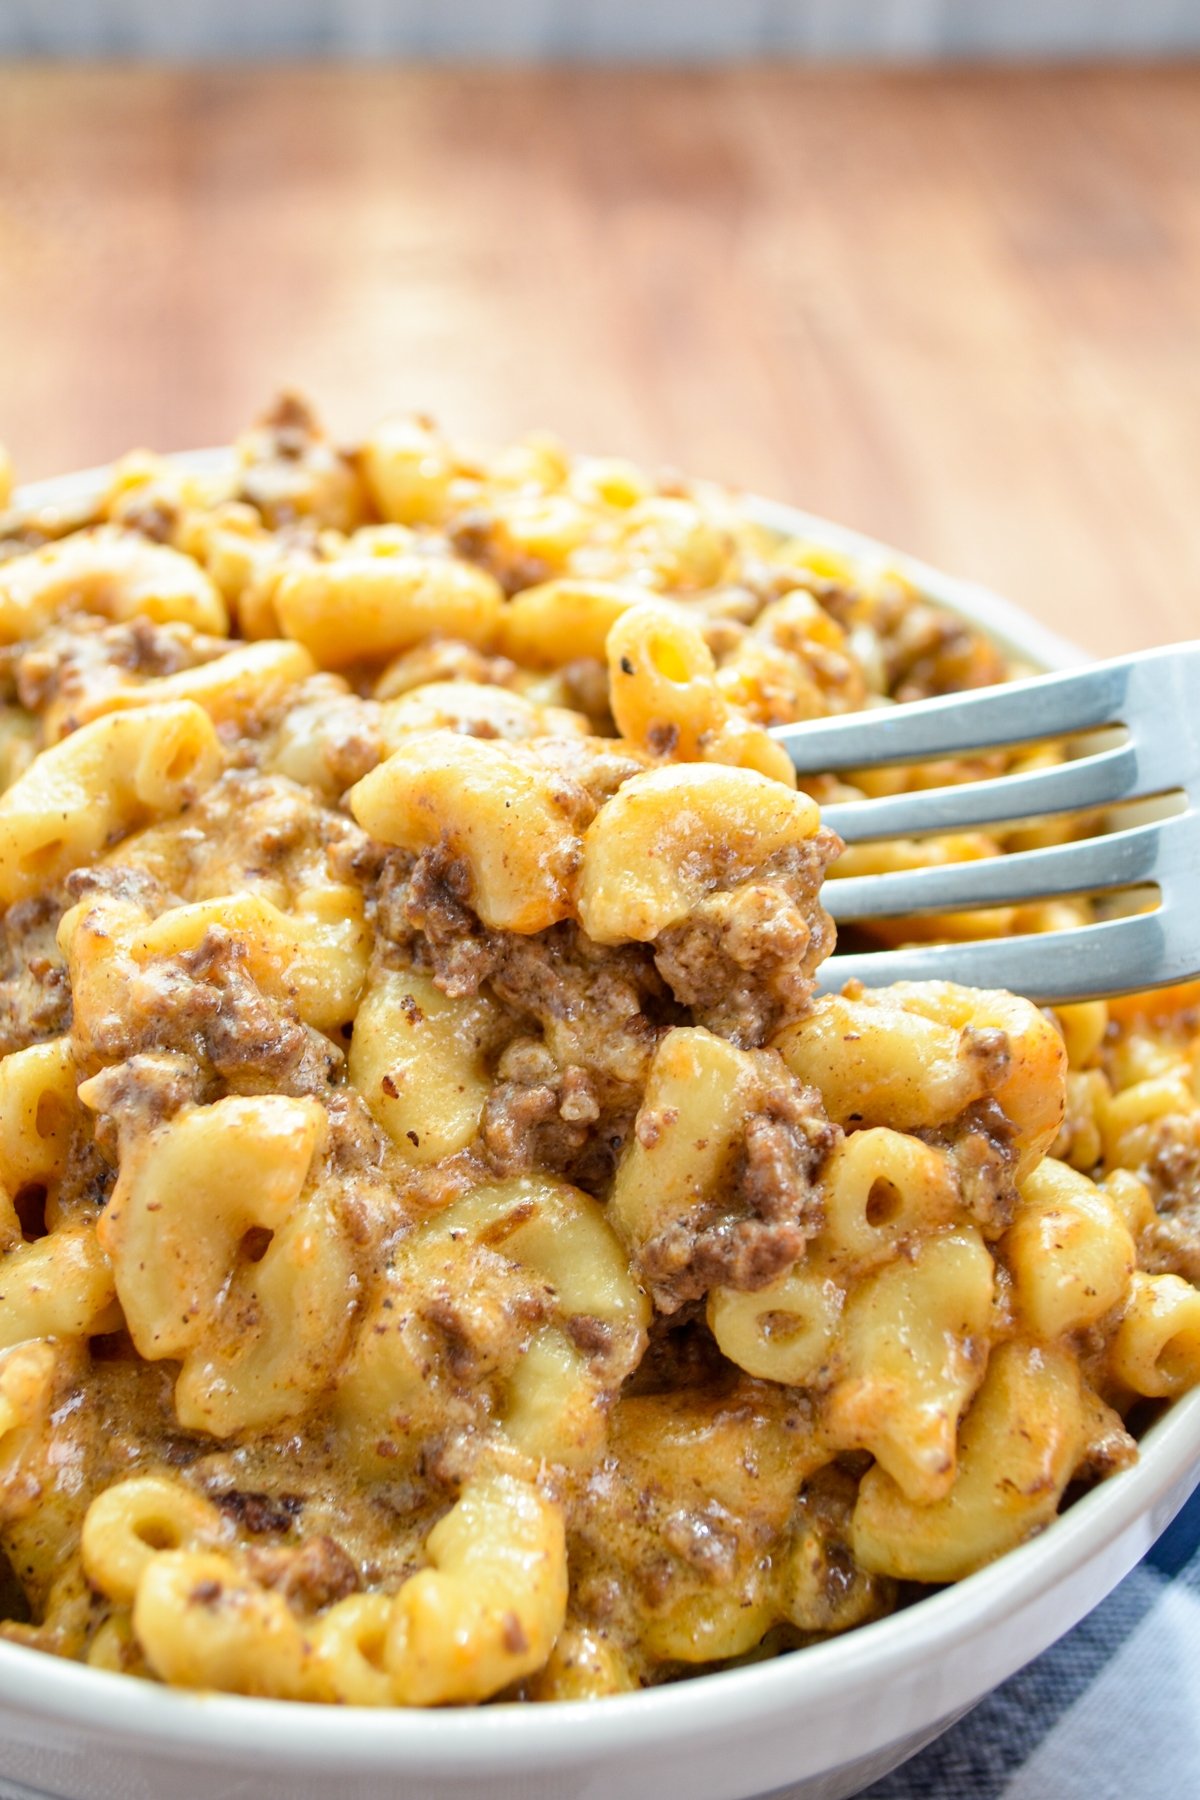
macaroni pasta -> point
(446, 1252)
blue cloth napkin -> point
(1110, 1712)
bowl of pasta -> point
(472, 1320)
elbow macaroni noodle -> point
(449, 1247)
(500, 815)
(689, 830)
(101, 782)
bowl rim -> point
(208, 1725)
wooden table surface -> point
(958, 310)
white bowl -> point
(819, 1724)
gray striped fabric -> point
(896, 30)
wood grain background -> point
(959, 310)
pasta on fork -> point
(447, 1253)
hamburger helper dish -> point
(446, 1252)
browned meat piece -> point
(476, 1321)
(239, 1027)
(260, 1514)
(601, 1010)
(759, 1222)
(1108, 1447)
(134, 1097)
(765, 582)
(426, 902)
(443, 659)
(929, 652)
(585, 688)
(594, 770)
(828, 1590)
(742, 965)
(479, 536)
(537, 1117)
(119, 882)
(1171, 1244)
(980, 1143)
(744, 962)
(1173, 1167)
(594, 1337)
(512, 1123)
(681, 1353)
(35, 995)
(423, 904)
(205, 1008)
(88, 657)
(326, 735)
(310, 1576)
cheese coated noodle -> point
(108, 776)
(688, 830)
(503, 817)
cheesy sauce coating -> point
(445, 1251)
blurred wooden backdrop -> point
(960, 310)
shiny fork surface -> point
(1156, 698)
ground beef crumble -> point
(766, 1211)
(309, 1576)
(478, 535)
(746, 958)
(1170, 1244)
(136, 1096)
(743, 961)
(35, 994)
(981, 1146)
(606, 1004)
(205, 1007)
(79, 663)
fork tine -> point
(1017, 712)
(1156, 696)
(1127, 772)
(1118, 860)
(1118, 956)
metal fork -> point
(1156, 697)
